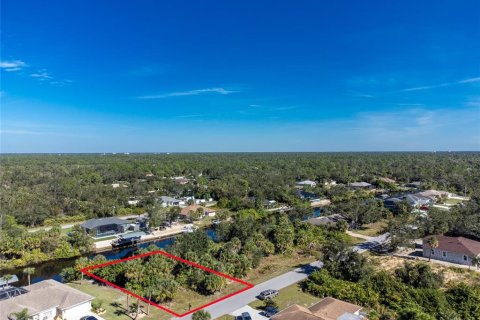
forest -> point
(59, 188)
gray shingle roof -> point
(94, 223)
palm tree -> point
(201, 315)
(21, 315)
(29, 272)
(432, 243)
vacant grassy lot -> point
(372, 229)
(115, 301)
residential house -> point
(171, 202)
(386, 180)
(105, 226)
(327, 309)
(187, 211)
(326, 220)
(48, 300)
(180, 180)
(304, 195)
(458, 250)
(329, 183)
(434, 195)
(360, 185)
(308, 183)
(414, 184)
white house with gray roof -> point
(48, 300)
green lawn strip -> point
(372, 229)
(276, 265)
(288, 296)
(114, 302)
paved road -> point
(371, 243)
(236, 302)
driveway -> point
(254, 313)
(371, 243)
(229, 306)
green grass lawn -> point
(372, 229)
(453, 201)
(67, 230)
(114, 302)
(288, 296)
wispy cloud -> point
(362, 95)
(445, 84)
(41, 75)
(12, 65)
(255, 105)
(196, 92)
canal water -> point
(52, 269)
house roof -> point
(456, 244)
(42, 296)
(94, 223)
(331, 308)
(432, 193)
(295, 312)
(168, 199)
(194, 207)
(306, 182)
(360, 184)
(327, 309)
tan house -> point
(187, 211)
(48, 300)
(327, 309)
(458, 250)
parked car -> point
(269, 311)
(244, 316)
(88, 318)
(268, 294)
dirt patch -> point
(452, 275)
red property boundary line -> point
(86, 272)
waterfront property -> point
(105, 226)
(188, 211)
(48, 300)
(327, 309)
(458, 250)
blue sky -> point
(158, 76)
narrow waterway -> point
(52, 269)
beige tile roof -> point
(331, 308)
(327, 309)
(42, 296)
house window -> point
(465, 258)
(444, 253)
(433, 251)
